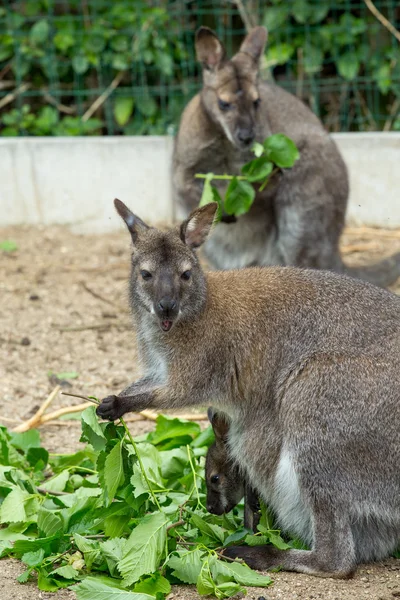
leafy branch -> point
(277, 152)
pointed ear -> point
(196, 228)
(220, 424)
(133, 223)
(209, 50)
(254, 43)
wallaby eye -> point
(224, 105)
(215, 479)
(256, 103)
(186, 275)
(146, 275)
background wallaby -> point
(305, 363)
(298, 218)
(226, 483)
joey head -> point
(226, 484)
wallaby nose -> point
(246, 136)
(167, 304)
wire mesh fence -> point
(73, 67)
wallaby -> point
(305, 363)
(226, 483)
(298, 219)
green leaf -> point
(186, 566)
(239, 197)
(67, 375)
(276, 16)
(281, 150)
(67, 572)
(205, 584)
(213, 531)
(144, 548)
(57, 483)
(280, 54)
(258, 149)
(114, 471)
(80, 64)
(48, 522)
(348, 65)
(8, 246)
(92, 588)
(26, 440)
(258, 169)
(113, 551)
(240, 573)
(278, 542)
(37, 457)
(123, 109)
(91, 430)
(154, 584)
(89, 548)
(33, 559)
(13, 508)
(46, 583)
(204, 439)
(23, 578)
(313, 58)
(146, 105)
(170, 428)
(39, 32)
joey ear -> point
(209, 50)
(196, 228)
(220, 424)
(254, 43)
(133, 223)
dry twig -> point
(102, 298)
(10, 97)
(378, 15)
(101, 99)
(36, 420)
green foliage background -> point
(58, 56)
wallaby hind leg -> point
(332, 555)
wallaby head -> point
(230, 93)
(166, 279)
(225, 487)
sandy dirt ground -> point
(63, 308)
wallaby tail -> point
(382, 273)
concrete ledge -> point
(74, 180)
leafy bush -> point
(333, 54)
(120, 514)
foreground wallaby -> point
(226, 483)
(298, 219)
(305, 363)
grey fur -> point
(299, 217)
(306, 364)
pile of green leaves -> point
(121, 517)
(275, 153)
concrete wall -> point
(74, 180)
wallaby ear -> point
(220, 424)
(133, 223)
(196, 228)
(209, 50)
(254, 43)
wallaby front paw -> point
(111, 408)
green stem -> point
(226, 177)
(199, 503)
(132, 441)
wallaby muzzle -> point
(166, 309)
